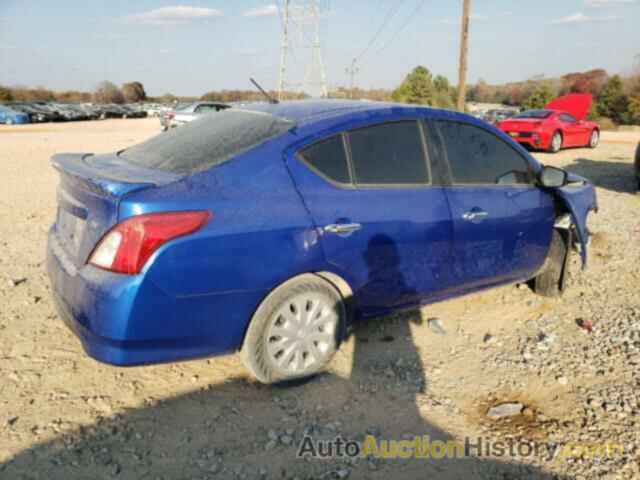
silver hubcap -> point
(556, 141)
(595, 136)
(301, 335)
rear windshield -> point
(206, 142)
(534, 114)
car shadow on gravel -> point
(610, 175)
(242, 429)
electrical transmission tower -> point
(301, 26)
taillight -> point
(128, 245)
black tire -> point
(550, 281)
(254, 352)
(593, 143)
(555, 146)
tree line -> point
(617, 98)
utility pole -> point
(464, 47)
(352, 71)
(283, 54)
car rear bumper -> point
(529, 139)
(127, 320)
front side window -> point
(328, 158)
(477, 157)
(389, 154)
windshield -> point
(534, 114)
(207, 142)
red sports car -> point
(560, 124)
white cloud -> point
(606, 3)
(580, 17)
(175, 14)
(266, 11)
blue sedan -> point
(9, 116)
(269, 229)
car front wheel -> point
(550, 281)
(594, 139)
(296, 330)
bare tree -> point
(107, 92)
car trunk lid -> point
(90, 189)
(576, 104)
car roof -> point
(308, 111)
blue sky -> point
(188, 47)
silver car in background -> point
(189, 113)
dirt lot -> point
(64, 416)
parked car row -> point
(494, 115)
(37, 112)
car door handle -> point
(475, 216)
(342, 227)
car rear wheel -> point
(295, 331)
(556, 143)
(594, 139)
(549, 282)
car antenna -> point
(269, 97)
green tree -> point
(539, 98)
(417, 88)
(613, 103)
(444, 95)
(5, 94)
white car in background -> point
(193, 111)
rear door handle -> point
(342, 227)
(475, 216)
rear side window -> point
(565, 117)
(329, 158)
(389, 154)
(208, 142)
(477, 157)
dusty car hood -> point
(576, 104)
(579, 196)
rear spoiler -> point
(108, 174)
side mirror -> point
(553, 177)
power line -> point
(414, 14)
(385, 22)
(353, 69)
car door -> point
(385, 226)
(502, 221)
(570, 129)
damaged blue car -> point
(267, 229)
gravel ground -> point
(567, 369)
